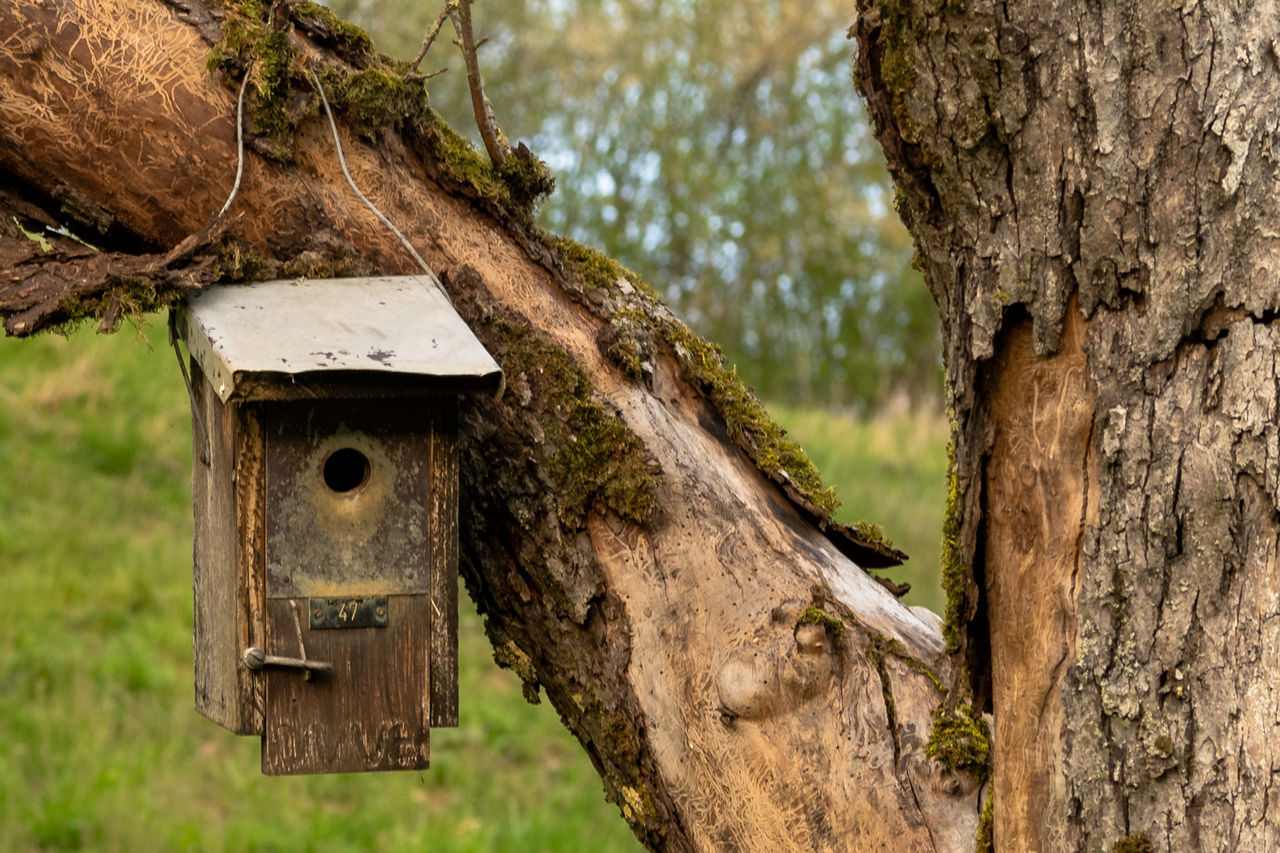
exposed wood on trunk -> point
(1039, 505)
(617, 530)
(1092, 188)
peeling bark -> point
(1092, 188)
(738, 681)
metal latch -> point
(255, 659)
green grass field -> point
(100, 748)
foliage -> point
(717, 149)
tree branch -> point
(430, 37)
(494, 140)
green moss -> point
(624, 353)
(602, 460)
(370, 98)
(834, 627)
(745, 418)
(595, 270)
(983, 840)
(955, 573)
(872, 533)
(464, 163)
(345, 39)
(370, 93)
(373, 99)
(327, 263)
(238, 263)
(508, 655)
(528, 179)
(596, 459)
(249, 46)
(897, 63)
(130, 297)
(961, 741)
(1138, 843)
(702, 364)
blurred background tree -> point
(719, 149)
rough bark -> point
(1092, 187)
(638, 547)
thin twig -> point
(235, 188)
(342, 160)
(488, 124)
(432, 32)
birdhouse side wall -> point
(227, 495)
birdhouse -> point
(325, 491)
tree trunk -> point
(1092, 187)
(643, 544)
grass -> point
(101, 749)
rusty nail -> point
(317, 613)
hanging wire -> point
(342, 160)
(235, 188)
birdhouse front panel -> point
(348, 584)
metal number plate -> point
(349, 612)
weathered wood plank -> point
(369, 713)
(227, 558)
(214, 559)
(442, 525)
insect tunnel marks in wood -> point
(325, 490)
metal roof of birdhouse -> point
(371, 336)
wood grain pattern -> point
(1040, 501)
(443, 525)
(227, 559)
(370, 713)
(214, 559)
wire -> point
(235, 188)
(342, 160)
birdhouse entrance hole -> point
(346, 470)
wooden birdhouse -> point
(325, 491)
